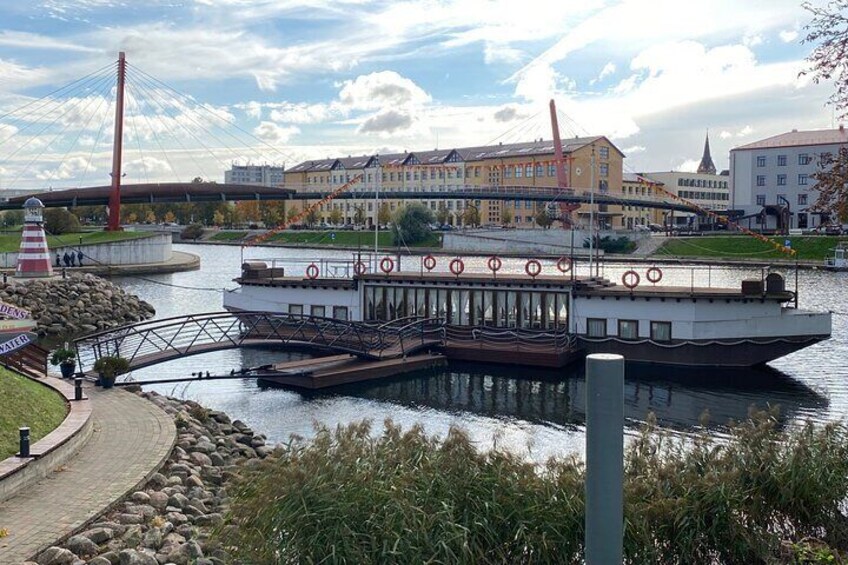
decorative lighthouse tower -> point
(33, 257)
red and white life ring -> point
(457, 266)
(654, 275)
(312, 271)
(359, 268)
(564, 264)
(387, 265)
(533, 268)
(429, 262)
(630, 279)
(494, 263)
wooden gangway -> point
(156, 341)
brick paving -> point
(131, 439)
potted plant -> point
(109, 368)
(66, 359)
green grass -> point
(809, 248)
(347, 238)
(26, 403)
(12, 241)
(228, 236)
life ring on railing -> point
(429, 262)
(312, 271)
(456, 267)
(630, 279)
(533, 268)
(654, 275)
(564, 264)
(494, 263)
(359, 268)
(387, 265)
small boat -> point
(839, 261)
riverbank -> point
(26, 403)
(171, 517)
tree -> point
(359, 215)
(58, 221)
(442, 215)
(384, 215)
(412, 225)
(828, 30)
(169, 217)
(543, 219)
(218, 218)
(312, 217)
(336, 216)
(471, 216)
(150, 218)
(13, 218)
(507, 216)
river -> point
(538, 413)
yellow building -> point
(633, 217)
(507, 167)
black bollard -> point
(77, 389)
(64, 274)
(4, 278)
(24, 432)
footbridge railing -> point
(156, 341)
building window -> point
(604, 152)
(604, 170)
(540, 170)
(802, 199)
(781, 180)
(340, 312)
(761, 161)
(528, 171)
(519, 171)
(296, 309)
(803, 179)
(317, 311)
(781, 160)
(761, 200)
(761, 180)
(508, 172)
(551, 170)
(803, 159)
(628, 329)
(596, 327)
(661, 331)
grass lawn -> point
(809, 248)
(228, 236)
(12, 241)
(348, 238)
(26, 403)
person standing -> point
(79, 257)
(58, 259)
(67, 259)
(73, 259)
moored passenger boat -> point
(540, 319)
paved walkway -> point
(131, 438)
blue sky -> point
(314, 78)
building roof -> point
(797, 138)
(438, 156)
(707, 166)
(637, 178)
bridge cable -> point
(157, 140)
(94, 147)
(133, 122)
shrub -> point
(610, 245)
(111, 366)
(412, 225)
(58, 221)
(350, 497)
(62, 355)
(193, 231)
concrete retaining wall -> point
(549, 242)
(153, 249)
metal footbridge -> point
(156, 341)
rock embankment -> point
(78, 304)
(171, 518)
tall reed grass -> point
(349, 496)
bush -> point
(404, 497)
(111, 366)
(62, 355)
(610, 245)
(58, 221)
(193, 231)
(412, 225)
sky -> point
(211, 82)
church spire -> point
(707, 166)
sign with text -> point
(16, 328)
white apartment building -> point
(771, 180)
(708, 191)
(257, 175)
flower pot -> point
(107, 382)
(67, 369)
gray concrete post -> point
(604, 459)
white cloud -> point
(608, 69)
(381, 89)
(301, 113)
(148, 166)
(501, 53)
(634, 149)
(67, 169)
(23, 40)
(274, 133)
(387, 122)
(788, 36)
(688, 166)
(541, 83)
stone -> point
(99, 535)
(213, 519)
(132, 537)
(112, 557)
(140, 497)
(100, 561)
(157, 481)
(194, 481)
(158, 500)
(56, 556)
(178, 500)
(264, 451)
(127, 518)
(176, 518)
(152, 538)
(199, 458)
(82, 546)
(186, 553)
(133, 557)
(216, 459)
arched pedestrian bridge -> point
(156, 341)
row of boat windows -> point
(628, 329)
(320, 311)
(500, 308)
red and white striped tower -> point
(33, 257)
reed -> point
(352, 496)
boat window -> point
(464, 307)
(391, 310)
(420, 304)
(340, 312)
(596, 327)
(379, 304)
(509, 318)
(296, 309)
(562, 310)
(477, 311)
(524, 311)
(370, 312)
(549, 312)
(455, 307)
(535, 320)
(628, 329)
(661, 331)
(317, 311)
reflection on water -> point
(540, 413)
